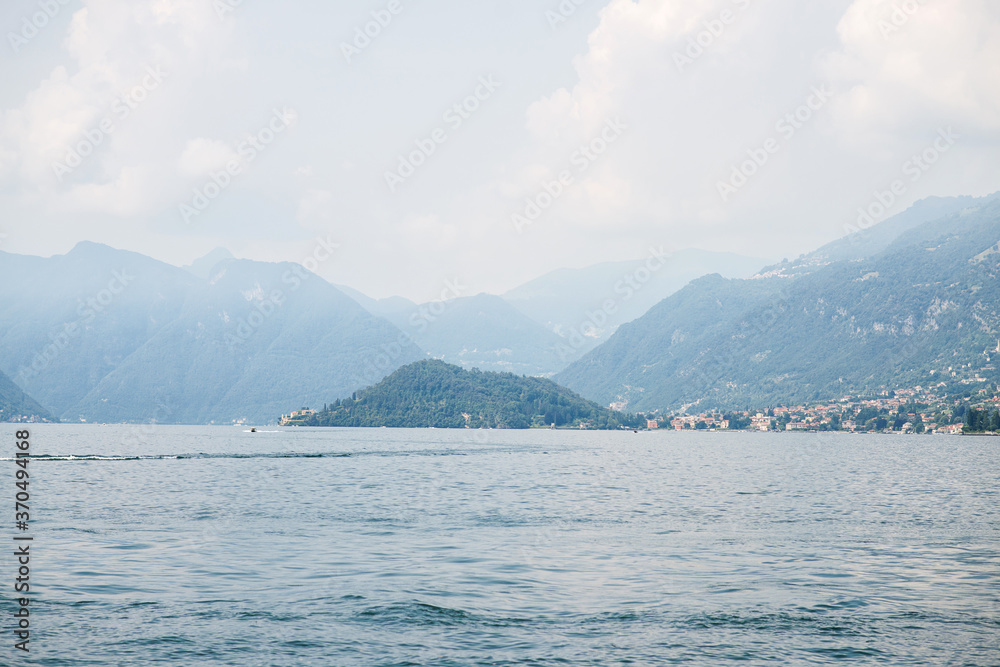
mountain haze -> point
(15, 405)
(392, 306)
(133, 339)
(107, 335)
(867, 242)
(924, 307)
(258, 338)
(571, 302)
(69, 320)
(202, 267)
(484, 332)
(542, 326)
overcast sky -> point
(113, 114)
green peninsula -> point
(434, 393)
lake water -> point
(214, 546)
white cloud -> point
(624, 51)
(907, 64)
(684, 124)
(120, 55)
(655, 184)
(53, 117)
(892, 89)
(201, 156)
(129, 193)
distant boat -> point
(253, 430)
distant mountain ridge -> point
(542, 326)
(16, 406)
(874, 239)
(585, 306)
(69, 320)
(484, 332)
(390, 306)
(107, 335)
(924, 306)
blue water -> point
(213, 546)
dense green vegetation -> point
(17, 406)
(981, 421)
(923, 309)
(434, 393)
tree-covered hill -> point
(434, 393)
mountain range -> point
(573, 302)
(108, 335)
(915, 303)
(543, 325)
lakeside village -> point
(947, 409)
(939, 409)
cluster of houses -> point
(713, 422)
(936, 417)
(23, 419)
(296, 416)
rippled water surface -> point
(214, 546)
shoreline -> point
(246, 427)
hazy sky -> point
(114, 113)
